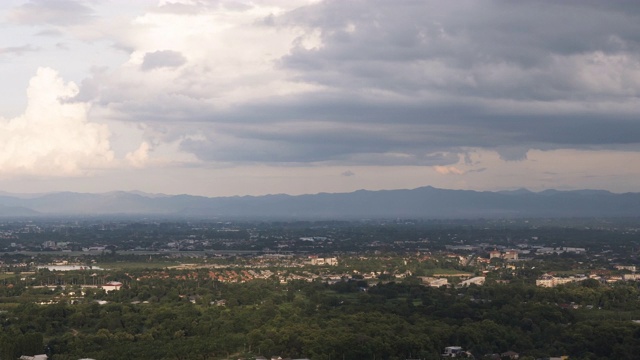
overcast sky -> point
(298, 96)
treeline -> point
(14, 343)
(184, 318)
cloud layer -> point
(365, 82)
(325, 84)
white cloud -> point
(53, 136)
(448, 170)
(216, 58)
(59, 13)
(139, 157)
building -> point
(510, 355)
(507, 255)
(452, 351)
(34, 357)
(433, 281)
(324, 261)
(112, 286)
(631, 268)
(478, 280)
(548, 280)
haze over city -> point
(221, 98)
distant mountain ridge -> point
(423, 202)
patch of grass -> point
(445, 272)
(571, 272)
(137, 265)
(8, 305)
(8, 276)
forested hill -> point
(424, 202)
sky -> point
(224, 98)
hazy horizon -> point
(226, 98)
(144, 193)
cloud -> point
(51, 12)
(375, 83)
(139, 157)
(17, 50)
(513, 153)
(448, 170)
(52, 137)
(476, 170)
(329, 86)
(162, 59)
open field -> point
(138, 265)
(8, 275)
(447, 272)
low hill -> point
(424, 202)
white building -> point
(324, 261)
(34, 357)
(112, 286)
(626, 267)
(433, 281)
(547, 280)
(452, 351)
(478, 280)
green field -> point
(137, 265)
(446, 272)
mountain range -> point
(424, 202)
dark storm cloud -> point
(436, 125)
(332, 142)
(473, 55)
(391, 47)
(162, 59)
(416, 82)
(350, 127)
(257, 151)
(52, 12)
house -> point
(34, 357)
(478, 280)
(433, 282)
(452, 351)
(507, 255)
(626, 267)
(112, 286)
(323, 261)
(547, 280)
(510, 355)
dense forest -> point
(189, 316)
